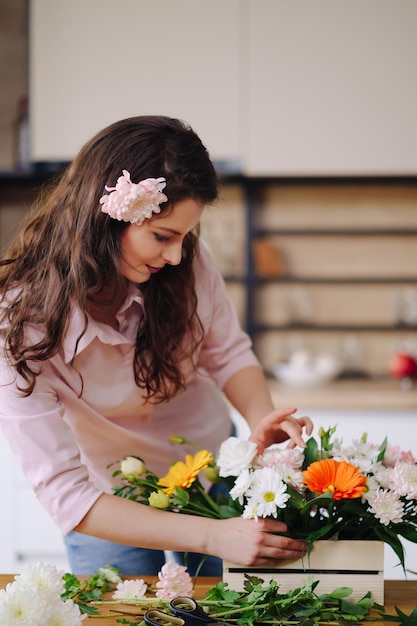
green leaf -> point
(340, 592)
(382, 450)
(407, 620)
(181, 497)
(311, 453)
(227, 511)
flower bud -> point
(177, 439)
(132, 466)
(159, 500)
(212, 474)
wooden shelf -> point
(341, 232)
(267, 328)
(380, 394)
(345, 280)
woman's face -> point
(145, 249)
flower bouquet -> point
(361, 491)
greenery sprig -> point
(258, 604)
(90, 590)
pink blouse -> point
(68, 447)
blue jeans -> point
(87, 554)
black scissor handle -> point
(188, 609)
(158, 618)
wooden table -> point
(400, 593)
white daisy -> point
(268, 491)
(241, 486)
(291, 476)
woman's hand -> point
(251, 542)
(280, 425)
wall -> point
(13, 74)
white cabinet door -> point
(93, 63)
(27, 534)
(330, 87)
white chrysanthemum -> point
(403, 479)
(21, 606)
(241, 486)
(268, 491)
(235, 455)
(387, 507)
(41, 577)
(61, 613)
(360, 454)
(130, 589)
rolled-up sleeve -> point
(226, 348)
(45, 449)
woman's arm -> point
(248, 392)
(243, 541)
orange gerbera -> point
(339, 478)
(182, 474)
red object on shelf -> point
(403, 365)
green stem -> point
(209, 500)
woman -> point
(117, 332)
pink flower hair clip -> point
(134, 202)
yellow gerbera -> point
(339, 478)
(182, 474)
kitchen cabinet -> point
(93, 63)
(272, 87)
(329, 88)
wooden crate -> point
(355, 564)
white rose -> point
(131, 466)
(235, 455)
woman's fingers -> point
(250, 542)
(280, 425)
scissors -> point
(186, 612)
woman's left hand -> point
(280, 425)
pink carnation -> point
(174, 580)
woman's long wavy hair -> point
(67, 252)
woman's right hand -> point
(252, 542)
